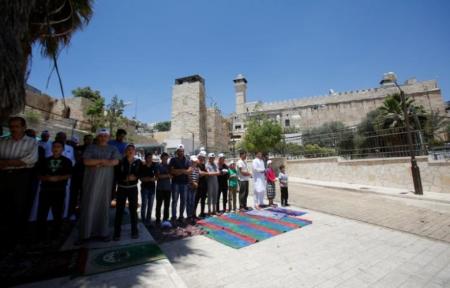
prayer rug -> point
(119, 257)
(286, 211)
(162, 235)
(266, 213)
(239, 230)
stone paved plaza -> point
(356, 240)
(333, 252)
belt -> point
(127, 186)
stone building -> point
(348, 107)
(188, 124)
(192, 123)
(44, 112)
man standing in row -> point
(244, 176)
(223, 182)
(18, 155)
(180, 170)
(99, 160)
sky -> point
(285, 48)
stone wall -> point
(386, 172)
(348, 107)
(218, 136)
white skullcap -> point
(194, 158)
(221, 155)
(211, 155)
(180, 146)
(103, 131)
(269, 162)
(202, 154)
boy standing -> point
(283, 177)
(193, 186)
(54, 172)
(232, 185)
(127, 179)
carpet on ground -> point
(162, 235)
(289, 212)
(266, 213)
(239, 230)
(118, 257)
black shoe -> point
(135, 235)
(287, 204)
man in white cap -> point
(180, 170)
(99, 160)
(213, 184)
(244, 176)
(259, 180)
(202, 184)
(223, 182)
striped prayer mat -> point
(239, 230)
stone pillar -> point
(189, 110)
(240, 88)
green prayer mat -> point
(108, 259)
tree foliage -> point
(391, 113)
(114, 113)
(262, 134)
(163, 126)
(87, 92)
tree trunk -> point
(14, 54)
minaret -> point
(240, 88)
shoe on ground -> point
(135, 235)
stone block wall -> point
(385, 172)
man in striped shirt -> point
(18, 154)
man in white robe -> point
(259, 180)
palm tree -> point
(391, 113)
(51, 23)
(391, 117)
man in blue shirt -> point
(119, 142)
(179, 169)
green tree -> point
(24, 23)
(87, 92)
(262, 134)
(96, 109)
(163, 126)
(332, 134)
(114, 113)
(391, 113)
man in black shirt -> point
(180, 170)
(53, 172)
(202, 185)
(127, 178)
(148, 177)
(223, 182)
